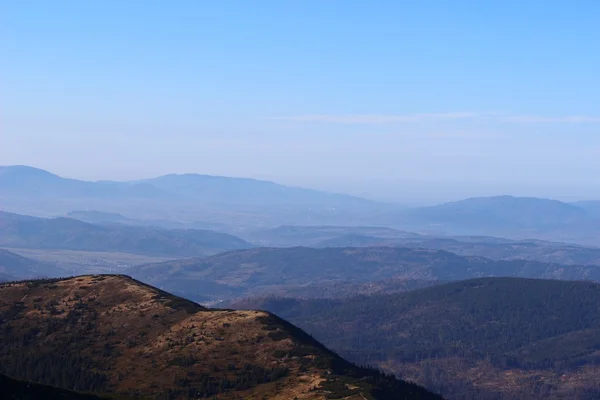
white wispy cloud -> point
(375, 119)
(387, 119)
(570, 119)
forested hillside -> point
(496, 338)
(20, 231)
(309, 270)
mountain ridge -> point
(271, 270)
(72, 234)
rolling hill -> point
(487, 338)
(276, 270)
(482, 246)
(108, 218)
(309, 236)
(493, 248)
(111, 334)
(66, 233)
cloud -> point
(375, 119)
(388, 119)
(572, 119)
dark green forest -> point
(508, 323)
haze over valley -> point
(300, 200)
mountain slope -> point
(271, 270)
(226, 190)
(482, 338)
(113, 334)
(66, 233)
(592, 207)
(6, 278)
(14, 266)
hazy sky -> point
(402, 100)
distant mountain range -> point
(187, 197)
(25, 181)
(314, 272)
(490, 338)
(19, 231)
(506, 216)
(245, 205)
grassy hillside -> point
(496, 338)
(70, 234)
(268, 270)
(112, 334)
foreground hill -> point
(113, 335)
(269, 270)
(20, 231)
(13, 266)
(490, 338)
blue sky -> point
(413, 101)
